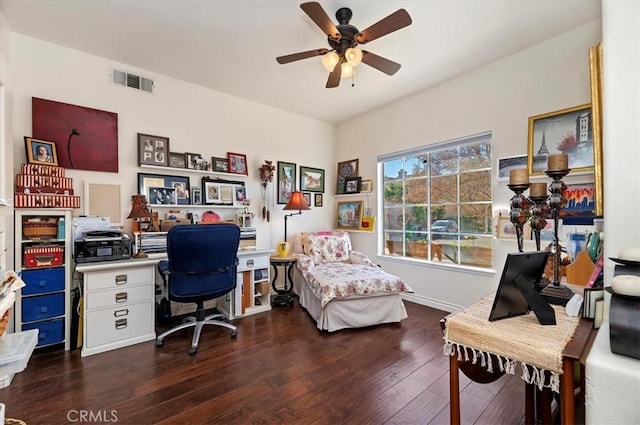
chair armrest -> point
(357, 257)
(305, 263)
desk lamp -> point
(139, 210)
(296, 202)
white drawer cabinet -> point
(252, 294)
(119, 304)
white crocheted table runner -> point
(519, 339)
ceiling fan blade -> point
(301, 55)
(320, 17)
(398, 19)
(334, 77)
(387, 66)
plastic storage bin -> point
(15, 351)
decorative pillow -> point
(327, 248)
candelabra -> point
(540, 209)
(520, 210)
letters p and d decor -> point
(153, 150)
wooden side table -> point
(283, 296)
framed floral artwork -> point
(346, 169)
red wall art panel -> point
(85, 138)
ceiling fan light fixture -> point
(347, 70)
(330, 60)
(353, 56)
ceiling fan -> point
(344, 38)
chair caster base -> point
(234, 334)
(159, 343)
(193, 351)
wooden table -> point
(575, 350)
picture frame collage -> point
(311, 183)
(169, 190)
(155, 150)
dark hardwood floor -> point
(279, 370)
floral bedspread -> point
(341, 279)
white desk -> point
(119, 298)
(613, 384)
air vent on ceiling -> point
(134, 81)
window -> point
(436, 202)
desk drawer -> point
(119, 278)
(119, 323)
(43, 281)
(120, 296)
(49, 332)
(253, 262)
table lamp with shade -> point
(139, 210)
(296, 202)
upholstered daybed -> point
(342, 288)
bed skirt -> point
(351, 312)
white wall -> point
(499, 98)
(195, 119)
(6, 148)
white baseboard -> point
(430, 302)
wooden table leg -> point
(529, 404)
(567, 408)
(546, 399)
(454, 390)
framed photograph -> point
(317, 198)
(179, 186)
(567, 131)
(153, 150)
(311, 179)
(219, 165)
(196, 196)
(237, 163)
(352, 185)
(346, 169)
(307, 197)
(177, 160)
(366, 186)
(162, 196)
(507, 164)
(507, 230)
(223, 192)
(195, 161)
(349, 215)
(286, 181)
(41, 152)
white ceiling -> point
(231, 46)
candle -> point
(558, 162)
(538, 190)
(519, 176)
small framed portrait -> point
(41, 152)
(177, 160)
(153, 150)
(349, 215)
(195, 161)
(311, 179)
(366, 186)
(352, 185)
(219, 165)
(211, 192)
(286, 181)
(241, 194)
(196, 196)
(182, 189)
(307, 197)
(346, 169)
(317, 198)
(237, 163)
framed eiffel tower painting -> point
(567, 131)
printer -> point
(95, 241)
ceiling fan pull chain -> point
(353, 77)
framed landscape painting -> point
(311, 179)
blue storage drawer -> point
(49, 332)
(42, 307)
(43, 281)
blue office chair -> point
(201, 265)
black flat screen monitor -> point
(509, 300)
